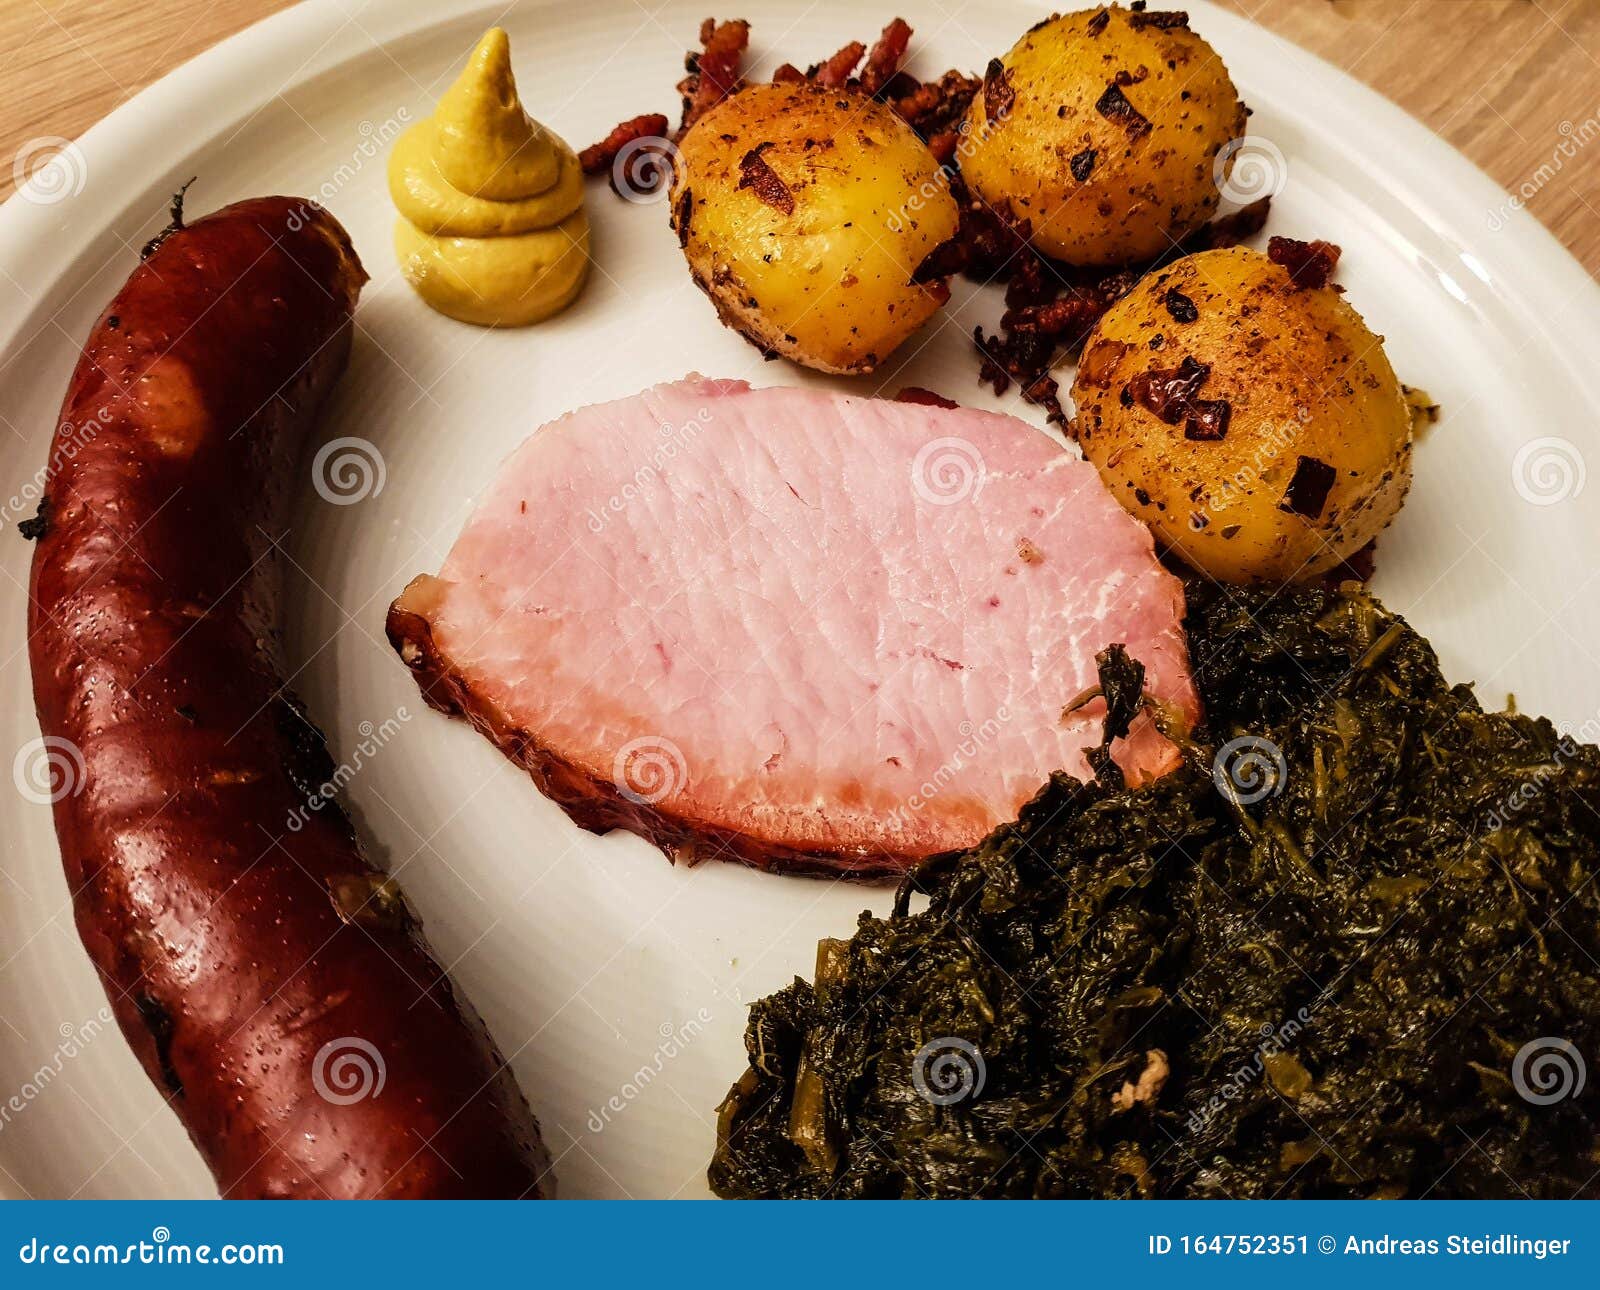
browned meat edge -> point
(596, 804)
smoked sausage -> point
(270, 979)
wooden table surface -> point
(1513, 84)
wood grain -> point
(1513, 84)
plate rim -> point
(42, 246)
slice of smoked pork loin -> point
(791, 627)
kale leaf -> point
(1351, 948)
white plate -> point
(616, 981)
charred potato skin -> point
(818, 270)
(1305, 380)
(1102, 189)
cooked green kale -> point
(1350, 949)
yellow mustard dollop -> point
(492, 228)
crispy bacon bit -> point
(883, 60)
(1023, 357)
(1229, 230)
(1125, 78)
(950, 256)
(787, 74)
(1068, 317)
(1358, 568)
(1310, 264)
(1162, 21)
(760, 178)
(936, 108)
(713, 74)
(1097, 24)
(1208, 420)
(1308, 490)
(683, 212)
(927, 398)
(836, 71)
(1171, 395)
(1082, 165)
(998, 94)
(597, 157)
(1100, 363)
(1180, 306)
(1114, 106)
(997, 241)
(714, 71)
(1169, 392)
(1071, 316)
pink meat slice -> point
(794, 627)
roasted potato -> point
(804, 211)
(1253, 423)
(1102, 129)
